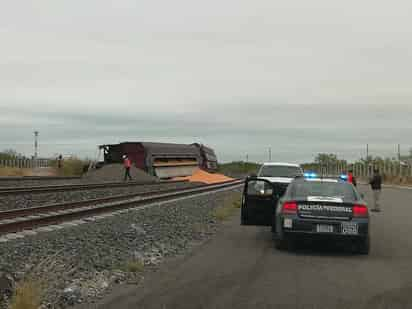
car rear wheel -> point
(281, 244)
(364, 246)
(282, 241)
(243, 218)
(243, 221)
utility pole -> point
(270, 154)
(399, 158)
(367, 152)
(247, 158)
(36, 144)
(36, 148)
(367, 160)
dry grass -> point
(404, 180)
(11, 171)
(229, 207)
(14, 171)
(39, 280)
(70, 167)
(27, 295)
(134, 266)
(392, 180)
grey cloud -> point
(301, 77)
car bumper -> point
(310, 227)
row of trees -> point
(331, 159)
(331, 163)
(10, 154)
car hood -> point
(278, 179)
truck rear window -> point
(279, 171)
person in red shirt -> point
(127, 165)
(351, 178)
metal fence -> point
(389, 169)
(25, 163)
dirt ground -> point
(41, 171)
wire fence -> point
(389, 169)
(25, 163)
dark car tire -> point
(282, 242)
(364, 246)
(274, 225)
(243, 218)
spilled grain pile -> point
(205, 177)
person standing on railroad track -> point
(127, 165)
(376, 184)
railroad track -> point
(17, 220)
(24, 178)
(67, 187)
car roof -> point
(280, 164)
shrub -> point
(27, 295)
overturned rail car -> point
(164, 160)
(208, 158)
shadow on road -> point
(324, 247)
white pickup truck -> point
(280, 172)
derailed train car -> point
(208, 157)
(164, 160)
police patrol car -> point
(312, 206)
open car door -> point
(259, 202)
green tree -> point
(8, 154)
(325, 159)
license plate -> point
(287, 223)
(323, 228)
(349, 228)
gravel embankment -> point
(113, 172)
(42, 182)
(107, 173)
(12, 201)
(80, 263)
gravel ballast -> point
(12, 201)
(80, 263)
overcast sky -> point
(301, 77)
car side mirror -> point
(252, 176)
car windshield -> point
(343, 190)
(279, 171)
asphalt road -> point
(240, 268)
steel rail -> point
(87, 186)
(22, 219)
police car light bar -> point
(310, 175)
(343, 177)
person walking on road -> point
(127, 165)
(376, 184)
